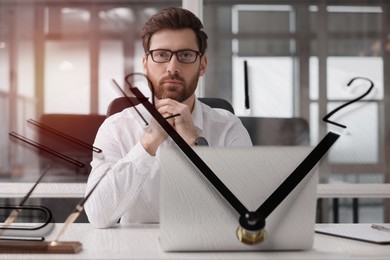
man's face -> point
(174, 79)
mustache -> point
(172, 77)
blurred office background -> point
(59, 57)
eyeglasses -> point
(183, 56)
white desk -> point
(77, 190)
(43, 190)
(142, 242)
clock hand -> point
(47, 149)
(65, 136)
(298, 174)
(150, 84)
(255, 233)
(251, 229)
(136, 102)
(130, 102)
(192, 155)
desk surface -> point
(77, 190)
(142, 242)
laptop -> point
(195, 217)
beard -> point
(180, 92)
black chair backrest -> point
(277, 131)
(118, 104)
(81, 127)
(218, 103)
(262, 130)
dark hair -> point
(174, 18)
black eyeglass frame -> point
(198, 53)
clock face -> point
(251, 224)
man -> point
(175, 45)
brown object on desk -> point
(34, 247)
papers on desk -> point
(361, 232)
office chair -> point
(262, 130)
(81, 127)
(118, 104)
(277, 131)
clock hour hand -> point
(252, 226)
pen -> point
(381, 228)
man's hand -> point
(183, 124)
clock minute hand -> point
(297, 175)
(192, 155)
(255, 233)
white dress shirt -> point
(130, 190)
